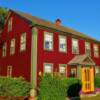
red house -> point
(30, 46)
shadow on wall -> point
(73, 92)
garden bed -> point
(11, 98)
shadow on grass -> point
(73, 92)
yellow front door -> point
(87, 79)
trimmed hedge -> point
(14, 86)
(55, 87)
(97, 81)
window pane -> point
(23, 42)
(75, 48)
(48, 68)
(10, 24)
(62, 43)
(4, 49)
(12, 46)
(48, 41)
(96, 51)
(9, 71)
(87, 48)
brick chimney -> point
(58, 22)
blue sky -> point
(81, 15)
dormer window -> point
(10, 24)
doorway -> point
(87, 79)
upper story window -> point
(48, 68)
(23, 42)
(4, 49)
(10, 24)
(48, 41)
(62, 43)
(87, 48)
(12, 46)
(9, 71)
(96, 51)
(75, 47)
(62, 69)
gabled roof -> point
(81, 60)
(41, 22)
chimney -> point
(58, 22)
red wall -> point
(57, 57)
(20, 61)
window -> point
(23, 42)
(73, 72)
(4, 49)
(48, 68)
(62, 43)
(10, 24)
(12, 47)
(97, 70)
(96, 51)
(75, 48)
(62, 69)
(48, 41)
(9, 71)
(87, 48)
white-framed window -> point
(62, 43)
(23, 42)
(73, 72)
(48, 41)
(10, 24)
(12, 46)
(62, 69)
(97, 70)
(96, 51)
(75, 46)
(9, 71)
(87, 48)
(4, 49)
(48, 68)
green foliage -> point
(55, 87)
(97, 81)
(3, 14)
(14, 86)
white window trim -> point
(97, 70)
(89, 47)
(65, 68)
(96, 51)
(23, 42)
(74, 69)
(9, 71)
(52, 41)
(73, 39)
(10, 24)
(61, 36)
(48, 64)
(12, 40)
(4, 55)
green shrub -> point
(97, 81)
(54, 87)
(14, 86)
